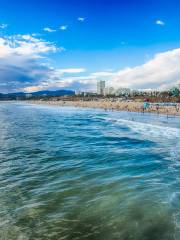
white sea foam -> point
(148, 130)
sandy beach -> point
(169, 110)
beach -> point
(169, 109)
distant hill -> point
(53, 93)
(44, 93)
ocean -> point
(74, 173)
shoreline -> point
(116, 106)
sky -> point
(71, 44)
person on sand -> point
(146, 105)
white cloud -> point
(102, 74)
(3, 26)
(48, 29)
(161, 72)
(57, 79)
(63, 27)
(81, 19)
(160, 22)
(23, 62)
(72, 70)
(25, 45)
(36, 34)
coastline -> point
(118, 106)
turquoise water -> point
(71, 173)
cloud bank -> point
(23, 62)
(161, 72)
(24, 66)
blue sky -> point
(119, 41)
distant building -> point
(123, 92)
(101, 87)
(109, 91)
(77, 92)
(85, 94)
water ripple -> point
(75, 174)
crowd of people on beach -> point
(170, 109)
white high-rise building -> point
(101, 87)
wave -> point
(147, 129)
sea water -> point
(74, 173)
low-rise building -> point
(123, 92)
